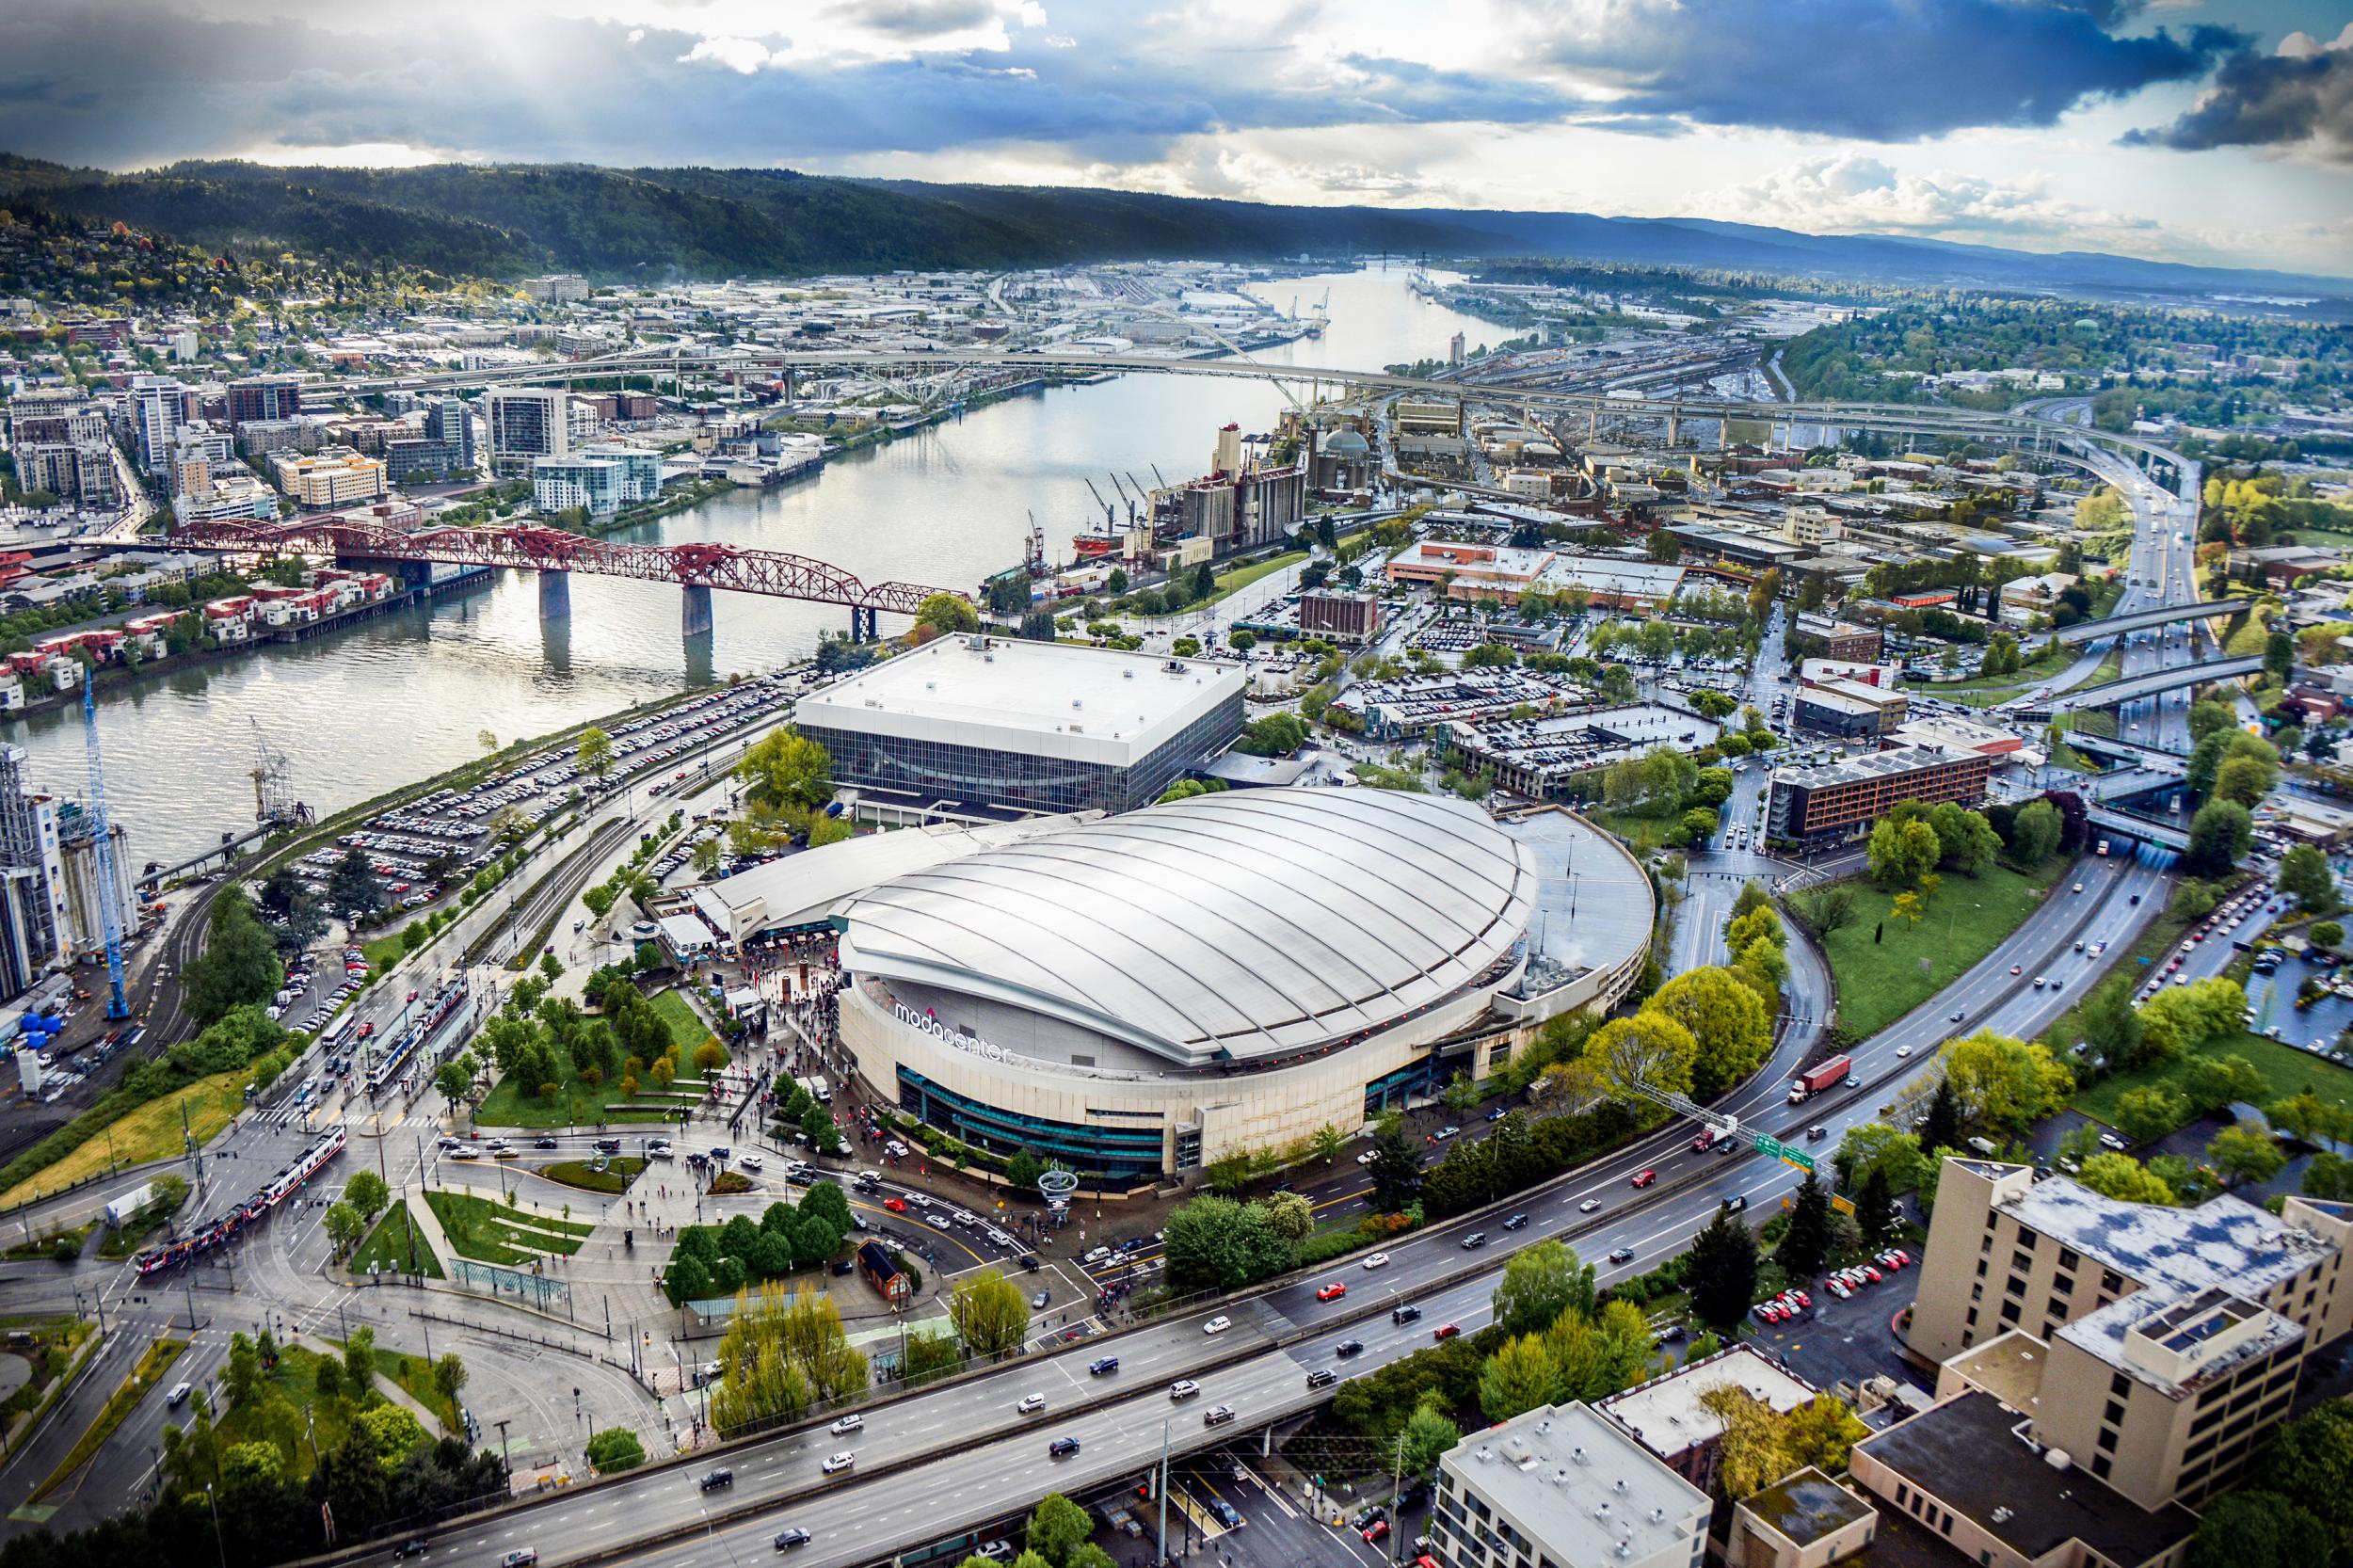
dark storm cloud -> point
(2277, 101)
(1878, 69)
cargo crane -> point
(1130, 499)
(103, 849)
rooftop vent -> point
(1485, 1454)
(1126, 675)
(1657, 1516)
(1601, 1511)
(1077, 702)
(1618, 1486)
(1578, 1454)
(2003, 1514)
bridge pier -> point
(864, 624)
(694, 610)
(555, 596)
(1674, 429)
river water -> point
(394, 700)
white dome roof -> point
(1234, 925)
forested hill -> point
(655, 224)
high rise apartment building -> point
(526, 423)
(159, 404)
(2154, 1346)
(264, 397)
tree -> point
(1289, 1215)
(2213, 1083)
(946, 612)
(450, 1376)
(2219, 835)
(1875, 1212)
(2246, 1153)
(1517, 1378)
(1730, 1028)
(2146, 1115)
(2035, 833)
(2257, 1529)
(1720, 1269)
(454, 1080)
(1831, 909)
(2280, 657)
(352, 886)
(1944, 1129)
(1023, 1170)
(2207, 716)
(359, 1358)
(1822, 1431)
(1396, 1168)
(1057, 1528)
(784, 770)
(615, 1449)
(1216, 1244)
(1902, 851)
(1428, 1434)
(366, 1193)
(1540, 1283)
(2004, 1083)
(344, 1225)
(2126, 1179)
(1651, 1049)
(2245, 779)
(1754, 1452)
(2304, 873)
(593, 755)
(1805, 1242)
(1328, 1141)
(239, 965)
(1876, 1147)
(2310, 1462)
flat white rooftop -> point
(1007, 694)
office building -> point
(556, 288)
(1836, 639)
(1838, 706)
(1038, 726)
(331, 476)
(198, 452)
(263, 398)
(1839, 800)
(32, 878)
(526, 423)
(158, 404)
(1561, 1484)
(2154, 1345)
(600, 479)
(1340, 616)
(259, 438)
(235, 496)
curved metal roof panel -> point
(1236, 924)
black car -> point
(1108, 1364)
(1030, 1263)
(1624, 1255)
(788, 1538)
(1062, 1448)
(1475, 1238)
(717, 1478)
(543, 1143)
(1404, 1314)
(1322, 1377)
(416, 1545)
(1347, 1348)
(1366, 1514)
(1515, 1222)
(608, 1145)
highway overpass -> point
(2133, 687)
(2130, 753)
(2124, 783)
(2130, 825)
(2093, 630)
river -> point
(402, 696)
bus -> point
(331, 1038)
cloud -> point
(741, 55)
(1886, 70)
(2297, 98)
(1857, 193)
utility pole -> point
(1163, 1489)
(1397, 1490)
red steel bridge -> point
(697, 566)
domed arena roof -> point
(1228, 926)
(1346, 443)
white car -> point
(1903, 1050)
(1378, 1260)
(836, 1463)
(1367, 1158)
(1589, 1206)
(1030, 1405)
(847, 1423)
(1218, 1325)
(749, 1162)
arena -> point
(1137, 995)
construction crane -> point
(103, 851)
(1126, 497)
(1111, 518)
(1156, 475)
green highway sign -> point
(1802, 1162)
(1770, 1147)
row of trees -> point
(783, 1353)
(723, 1259)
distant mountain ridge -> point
(652, 224)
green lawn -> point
(1880, 980)
(1642, 832)
(414, 1374)
(2288, 1071)
(392, 1243)
(491, 1232)
(686, 1028)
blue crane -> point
(109, 915)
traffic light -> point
(1151, 1480)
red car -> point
(1644, 1178)
(1377, 1530)
(897, 1206)
(1803, 1299)
(1332, 1292)
(1872, 1275)
(1446, 1331)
